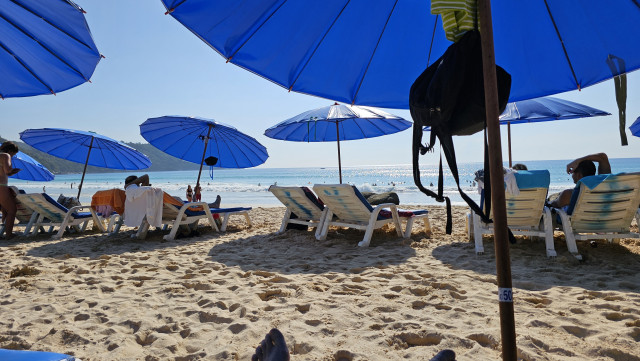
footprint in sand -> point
(538, 301)
(270, 294)
(618, 355)
(616, 316)
(484, 340)
(236, 328)
(145, 339)
(423, 338)
(205, 317)
(135, 326)
(313, 323)
(343, 355)
(579, 332)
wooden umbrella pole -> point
(85, 168)
(509, 142)
(339, 160)
(204, 152)
(503, 262)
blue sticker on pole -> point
(505, 294)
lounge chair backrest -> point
(345, 201)
(525, 209)
(605, 203)
(44, 205)
(300, 200)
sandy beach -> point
(215, 296)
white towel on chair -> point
(141, 202)
(510, 182)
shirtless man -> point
(143, 180)
(7, 195)
(579, 168)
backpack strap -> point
(417, 149)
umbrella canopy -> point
(336, 123)
(45, 47)
(353, 52)
(546, 109)
(542, 110)
(188, 138)
(635, 128)
(31, 170)
(87, 148)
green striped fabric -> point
(458, 16)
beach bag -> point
(448, 97)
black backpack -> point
(449, 97)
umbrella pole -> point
(339, 160)
(204, 152)
(503, 262)
(85, 168)
(509, 141)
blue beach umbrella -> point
(87, 148)
(45, 47)
(31, 169)
(543, 110)
(369, 53)
(337, 123)
(635, 128)
(194, 139)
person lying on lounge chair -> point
(580, 168)
(134, 180)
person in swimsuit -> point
(7, 195)
(189, 194)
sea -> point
(249, 187)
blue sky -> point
(154, 66)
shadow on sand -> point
(607, 267)
(306, 255)
(94, 244)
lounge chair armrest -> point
(393, 206)
(76, 208)
(194, 204)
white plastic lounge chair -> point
(175, 216)
(301, 202)
(524, 211)
(51, 213)
(602, 207)
(352, 210)
(103, 202)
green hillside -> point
(160, 161)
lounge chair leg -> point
(285, 221)
(367, 237)
(427, 226)
(568, 233)
(469, 227)
(477, 234)
(225, 222)
(548, 233)
(143, 229)
(118, 224)
(409, 227)
(322, 235)
(246, 217)
(172, 235)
